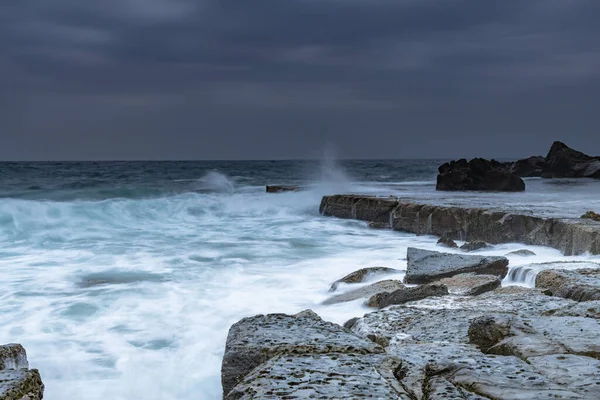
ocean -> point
(121, 279)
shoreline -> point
(496, 342)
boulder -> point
(282, 188)
(425, 266)
(447, 242)
(17, 381)
(361, 275)
(470, 284)
(253, 341)
(405, 295)
(579, 284)
(477, 174)
(522, 253)
(528, 167)
(365, 292)
(474, 245)
(323, 376)
(564, 162)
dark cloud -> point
(281, 78)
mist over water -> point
(122, 279)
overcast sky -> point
(273, 79)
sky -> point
(282, 79)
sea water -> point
(122, 279)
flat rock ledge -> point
(571, 236)
(17, 381)
(507, 344)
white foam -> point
(224, 256)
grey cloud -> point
(411, 73)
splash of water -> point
(215, 182)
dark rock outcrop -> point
(447, 242)
(361, 275)
(591, 215)
(406, 294)
(17, 381)
(579, 284)
(477, 174)
(474, 245)
(571, 236)
(365, 292)
(282, 188)
(254, 341)
(470, 284)
(564, 162)
(528, 167)
(425, 266)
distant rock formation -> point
(564, 162)
(478, 174)
(282, 188)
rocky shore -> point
(463, 336)
(449, 330)
(17, 381)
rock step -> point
(571, 236)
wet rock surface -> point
(579, 284)
(362, 275)
(405, 295)
(447, 242)
(470, 284)
(365, 292)
(474, 246)
(426, 266)
(571, 236)
(17, 381)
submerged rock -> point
(522, 253)
(474, 245)
(282, 188)
(447, 242)
(253, 341)
(405, 295)
(425, 266)
(365, 292)
(17, 382)
(477, 174)
(564, 162)
(591, 215)
(579, 285)
(361, 275)
(470, 284)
